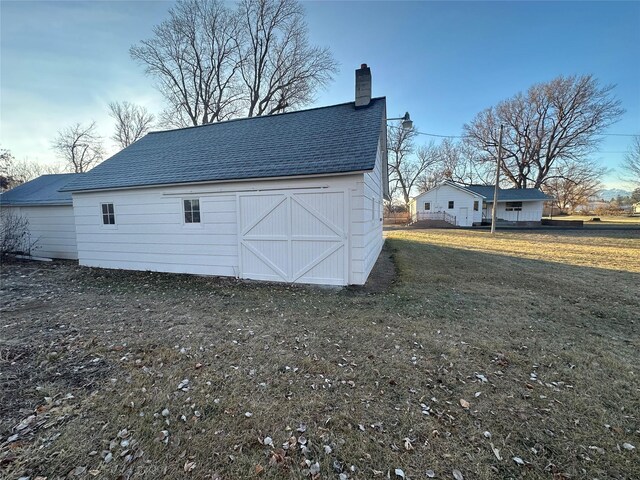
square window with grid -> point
(191, 211)
(108, 214)
(451, 204)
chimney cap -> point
(363, 65)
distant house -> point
(636, 208)
(295, 197)
(468, 205)
(49, 214)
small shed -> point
(295, 197)
(48, 214)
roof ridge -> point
(259, 117)
(58, 174)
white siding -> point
(150, 234)
(531, 212)
(366, 237)
(439, 198)
(52, 229)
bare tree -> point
(212, 63)
(79, 146)
(408, 165)
(573, 183)
(7, 161)
(16, 172)
(631, 162)
(14, 234)
(193, 56)
(461, 163)
(559, 120)
(279, 69)
(23, 171)
(132, 122)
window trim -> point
(513, 207)
(451, 204)
(476, 205)
(184, 212)
(108, 214)
(427, 206)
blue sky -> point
(63, 62)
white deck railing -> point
(444, 216)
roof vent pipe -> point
(363, 86)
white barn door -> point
(294, 236)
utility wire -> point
(465, 136)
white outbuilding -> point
(47, 215)
(468, 205)
(295, 197)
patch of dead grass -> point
(357, 370)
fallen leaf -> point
(628, 446)
(407, 444)
(496, 451)
(457, 474)
(399, 473)
(259, 469)
(76, 472)
(464, 403)
(518, 460)
(431, 474)
(189, 466)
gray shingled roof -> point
(41, 191)
(508, 194)
(335, 139)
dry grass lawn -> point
(483, 350)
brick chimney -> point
(363, 86)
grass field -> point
(484, 349)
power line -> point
(465, 136)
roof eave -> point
(520, 200)
(233, 180)
(36, 204)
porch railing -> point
(444, 216)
